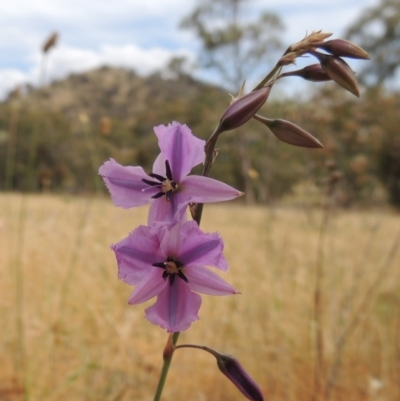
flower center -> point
(166, 184)
(172, 268)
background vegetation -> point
(81, 341)
(111, 113)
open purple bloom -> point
(168, 187)
(170, 264)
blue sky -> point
(137, 34)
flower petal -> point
(150, 286)
(200, 189)
(163, 212)
(136, 253)
(201, 248)
(207, 282)
(181, 148)
(176, 307)
(159, 165)
(125, 184)
(172, 241)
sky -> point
(136, 34)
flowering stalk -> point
(197, 214)
(210, 156)
(209, 160)
(177, 246)
(244, 108)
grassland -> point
(67, 333)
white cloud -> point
(64, 60)
(136, 34)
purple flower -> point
(170, 264)
(168, 187)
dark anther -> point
(148, 182)
(172, 268)
(161, 264)
(157, 177)
(183, 277)
(177, 263)
(158, 195)
(168, 170)
(166, 185)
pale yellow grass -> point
(81, 341)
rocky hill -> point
(69, 127)
(117, 93)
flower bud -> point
(314, 73)
(243, 109)
(344, 48)
(290, 133)
(50, 42)
(339, 71)
(234, 371)
(169, 348)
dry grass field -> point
(67, 333)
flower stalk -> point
(165, 368)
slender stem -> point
(202, 347)
(20, 355)
(164, 370)
(318, 309)
(12, 144)
(208, 162)
(275, 71)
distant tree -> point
(177, 67)
(233, 41)
(388, 153)
(378, 32)
(234, 44)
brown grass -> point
(81, 341)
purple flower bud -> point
(243, 109)
(234, 371)
(314, 73)
(290, 133)
(339, 71)
(344, 48)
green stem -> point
(202, 347)
(164, 370)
